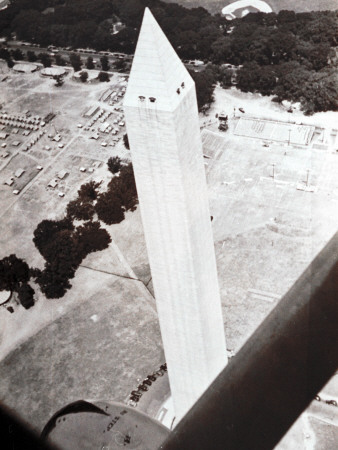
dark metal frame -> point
(276, 374)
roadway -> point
(64, 53)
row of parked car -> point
(146, 383)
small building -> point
(91, 111)
(94, 136)
(3, 135)
(50, 116)
(16, 143)
(16, 191)
(15, 131)
(61, 175)
(19, 172)
(53, 183)
(61, 194)
(9, 182)
(57, 138)
(104, 127)
(82, 169)
(39, 167)
(4, 155)
(106, 95)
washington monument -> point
(164, 135)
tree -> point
(75, 61)
(59, 80)
(17, 54)
(13, 271)
(47, 230)
(59, 61)
(120, 65)
(90, 63)
(45, 59)
(205, 84)
(123, 187)
(26, 295)
(31, 56)
(226, 75)
(109, 208)
(10, 63)
(221, 50)
(51, 283)
(103, 76)
(80, 209)
(114, 164)
(126, 141)
(248, 77)
(88, 191)
(64, 246)
(83, 76)
(253, 77)
(92, 238)
(104, 63)
(4, 54)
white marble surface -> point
(167, 157)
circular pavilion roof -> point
(25, 68)
(4, 296)
(242, 7)
(53, 71)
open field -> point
(104, 334)
(116, 341)
(266, 229)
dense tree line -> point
(64, 245)
(205, 83)
(84, 23)
(66, 242)
(289, 55)
(121, 195)
(267, 45)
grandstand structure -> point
(269, 130)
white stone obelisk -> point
(164, 135)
